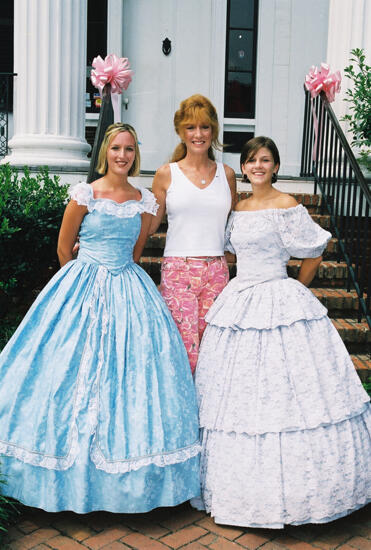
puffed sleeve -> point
(300, 235)
(227, 235)
(148, 203)
(82, 193)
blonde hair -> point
(196, 108)
(111, 132)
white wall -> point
(292, 36)
(349, 27)
(160, 82)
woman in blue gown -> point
(97, 404)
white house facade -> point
(250, 57)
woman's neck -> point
(114, 181)
(196, 161)
(262, 193)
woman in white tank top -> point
(197, 193)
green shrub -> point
(359, 99)
(8, 510)
(31, 210)
(367, 385)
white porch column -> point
(49, 97)
(349, 27)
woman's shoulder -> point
(241, 205)
(82, 193)
(284, 201)
(229, 172)
(164, 170)
(162, 178)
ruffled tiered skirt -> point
(285, 421)
(97, 403)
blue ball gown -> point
(97, 402)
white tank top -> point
(196, 217)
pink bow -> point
(112, 70)
(321, 79)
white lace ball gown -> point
(285, 421)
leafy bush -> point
(31, 210)
(367, 385)
(359, 98)
(8, 510)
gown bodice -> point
(264, 240)
(108, 239)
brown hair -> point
(111, 132)
(253, 145)
(196, 108)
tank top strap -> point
(174, 170)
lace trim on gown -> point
(82, 193)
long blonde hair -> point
(111, 132)
(196, 108)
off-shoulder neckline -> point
(112, 200)
(267, 210)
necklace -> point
(203, 182)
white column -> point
(349, 27)
(49, 96)
(115, 27)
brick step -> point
(156, 243)
(355, 335)
(309, 200)
(362, 364)
(339, 301)
(330, 273)
(322, 219)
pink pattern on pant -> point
(189, 287)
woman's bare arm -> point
(308, 270)
(160, 185)
(231, 178)
(143, 236)
(72, 218)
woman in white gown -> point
(285, 421)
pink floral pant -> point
(189, 287)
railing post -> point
(345, 193)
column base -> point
(48, 150)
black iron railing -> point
(6, 102)
(346, 196)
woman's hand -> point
(72, 218)
(308, 270)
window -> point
(6, 54)
(241, 59)
(96, 45)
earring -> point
(274, 177)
